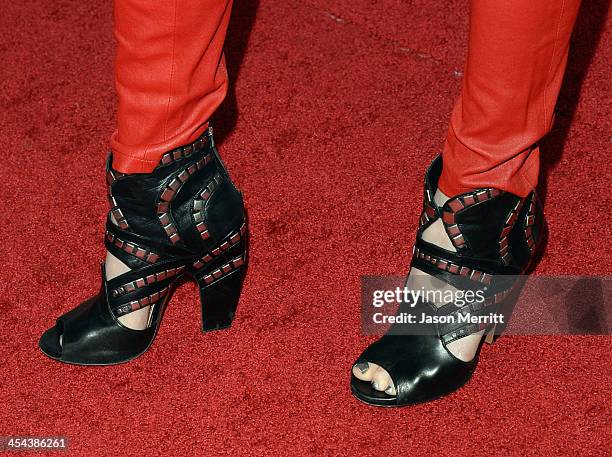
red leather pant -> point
(516, 59)
(170, 77)
(169, 73)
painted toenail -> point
(363, 366)
(390, 390)
(375, 385)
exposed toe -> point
(365, 392)
(381, 380)
(391, 390)
(364, 370)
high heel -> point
(495, 235)
(185, 219)
(220, 289)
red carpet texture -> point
(335, 111)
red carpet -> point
(336, 111)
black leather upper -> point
(495, 234)
(167, 221)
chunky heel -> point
(186, 217)
(494, 234)
(219, 294)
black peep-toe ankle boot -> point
(185, 219)
(495, 234)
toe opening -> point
(365, 392)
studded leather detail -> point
(111, 177)
(132, 249)
(185, 151)
(147, 281)
(199, 206)
(530, 222)
(154, 226)
(504, 243)
(171, 189)
(495, 234)
(231, 241)
(445, 265)
(224, 269)
(134, 305)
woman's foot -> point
(185, 217)
(139, 318)
(464, 348)
(113, 268)
(478, 241)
